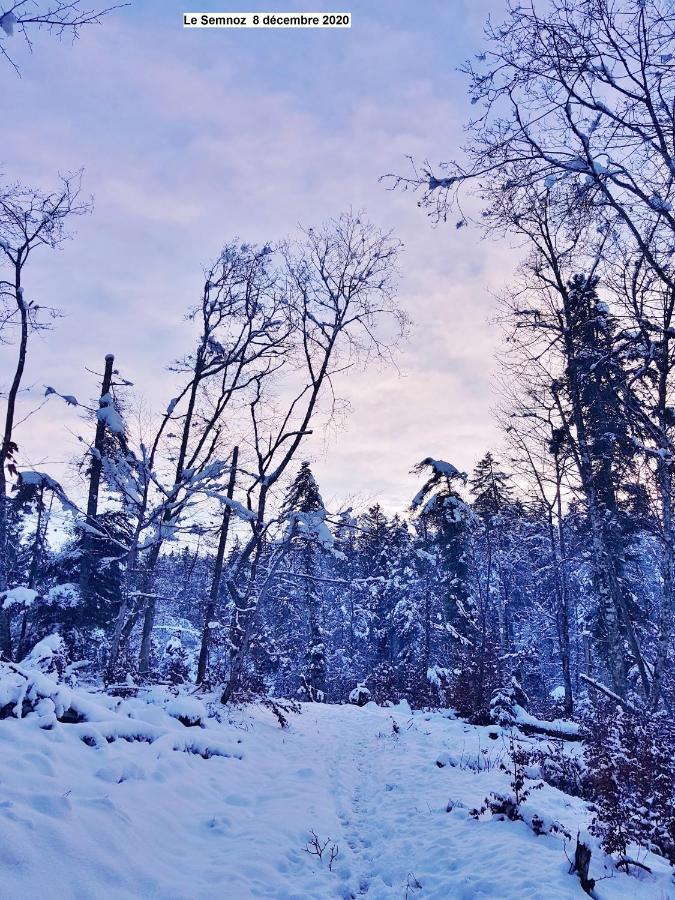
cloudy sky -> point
(189, 138)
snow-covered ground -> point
(146, 820)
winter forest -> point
(216, 683)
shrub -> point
(475, 680)
(630, 760)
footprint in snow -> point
(41, 762)
(237, 800)
(49, 805)
(218, 825)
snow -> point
(64, 595)
(438, 676)
(311, 525)
(69, 399)
(238, 508)
(44, 652)
(109, 415)
(435, 183)
(7, 23)
(576, 164)
(39, 479)
(190, 709)
(429, 557)
(232, 816)
(441, 467)
(659, 204)
(19, 596)
(446, 759)
(359, 695)
(31, 477)
(560, 726)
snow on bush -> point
(18, 596)
(188, 710)
(360, 695)
(33, 691)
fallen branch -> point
(625, 861)
(603, 689)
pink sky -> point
(188, 140)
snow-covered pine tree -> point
(492, 498)
(308, 541)
(444, 520)
(374, 564)
(412, 612)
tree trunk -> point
(116, 639)
(7, 450)
(560, 555)
(217, 572)
(665, 475)
(666, 614)
(581, 865)
(608, 591)
(315, 681)
(243, 620)
(588, 659)
(88, 539)
(36, 556)
(153, 556)
(150, 610)
(606, 582)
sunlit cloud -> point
(187, 142)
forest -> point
(534, 592)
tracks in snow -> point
(363, 802)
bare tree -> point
(340, 288)
(29, 219)
(243, 337)
(276, 327)
(576, 102)
(648, 307)
(562, 343)
(62, 18)
(543, 463)
(545, 326)
(243, 329)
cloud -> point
(186, 147)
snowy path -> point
(391, 802)
(129, 820)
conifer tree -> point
(445, 518)
(308, 540)
(490, 487)
(493, 496)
